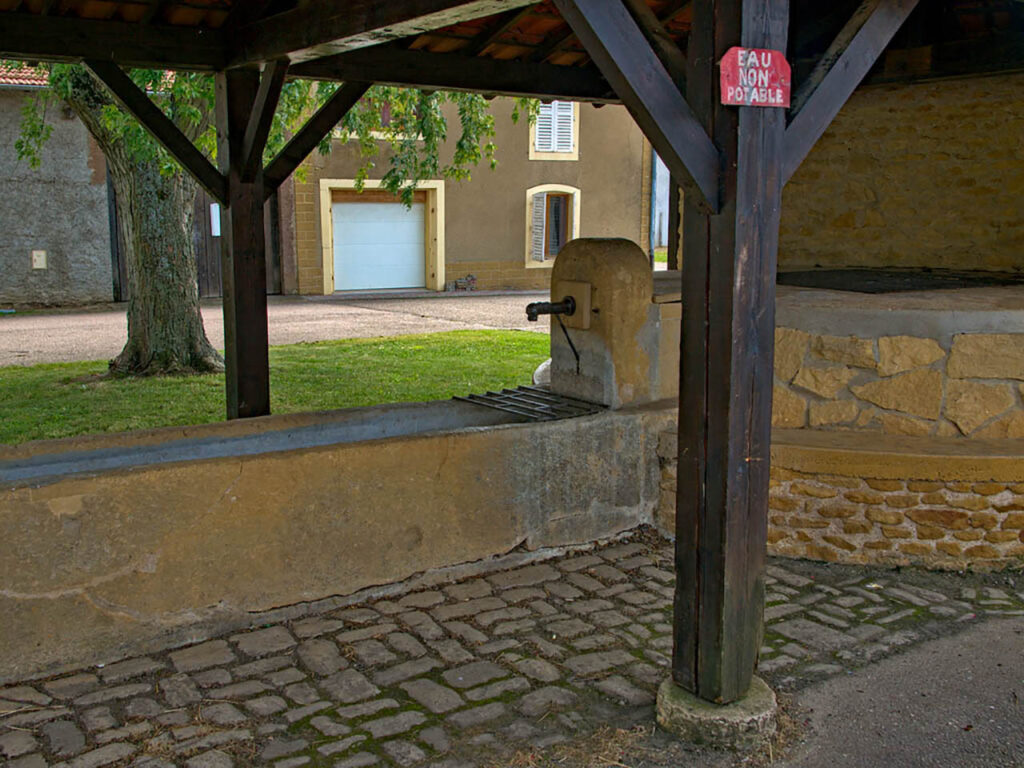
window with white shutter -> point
(563, 115)
(552, 219)
(538, 212)
(556, 132)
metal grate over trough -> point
(534, 403)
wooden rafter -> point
(321, 28)
(393, 65)
(159, 126)
(831, 56)
(153, 11)
(561, 40)
(62, 38)
(851, 60)
(672, 14)
(557, 42)
(311, 134)
(243, 13)
(261, 117)
(673, 59)
(506, 22)
(618, 47)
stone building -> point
(55, 218)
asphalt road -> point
(957, 701)
(99, 334)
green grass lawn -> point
(661, 255)
(67, 399)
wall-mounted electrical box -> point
(38, 259)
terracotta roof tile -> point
(23, 76)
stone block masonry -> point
(971, 385)
(852, 498)
(59, 208)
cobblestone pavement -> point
(492, 670)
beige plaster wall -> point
(930, 174)
(485, 217)
(97, 565)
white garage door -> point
(378, 245)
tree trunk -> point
(165, 328)
(154, 213)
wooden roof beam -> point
(261, 117)
(393, 65)
(661, 41)
(134, 100)
(324, 27)
(62, 38)
(156, 7)
(507, 21)
(243, 13)
(310, 135)
(827, 90)
(616, 44)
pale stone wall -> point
(921, 175)
(969, 386)
(906, 501)
(59, 207)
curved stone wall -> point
(941, 363)
(852, 498)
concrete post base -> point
(742, 725)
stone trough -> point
(126, 543)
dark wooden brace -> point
(732, 164)
(245, 104)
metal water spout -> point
(566, 306)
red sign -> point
(755, 77)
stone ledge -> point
(897, 457)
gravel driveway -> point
(43, 337)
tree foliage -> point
(410, 122)
(154, 195)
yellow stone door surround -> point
(433, 221)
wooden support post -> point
(847, 61)
(726, 366)
(310, 135)
(243, 258)
(158, 125)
